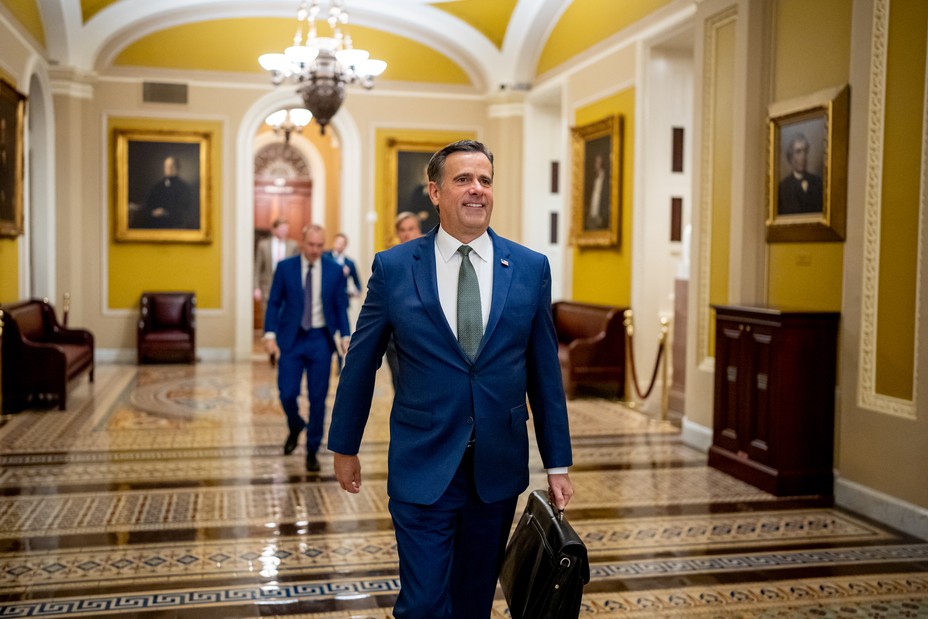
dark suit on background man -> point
(458, 454)
(306, 340)
(800, 194)
(170, 204)
(337, 253)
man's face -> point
(282, 231)
(312, 245)
(339, 244)
(799, 155)
(408, 229)
(465, 195)
(170, 167)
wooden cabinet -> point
(775, 398)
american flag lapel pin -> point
(504, 262)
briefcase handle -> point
(560, 512)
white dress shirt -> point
(448, 266)
(278, 250)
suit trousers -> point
(451, 552)
(311, 353)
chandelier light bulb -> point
(276, 119)
(301, 55)
(371, 67)
(351, 57)
(300, 117)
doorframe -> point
(346, 129)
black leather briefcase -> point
(545, 566)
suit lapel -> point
(423, 272)
(502, 279)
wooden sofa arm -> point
(70, 336)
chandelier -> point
(322, 66)
(288, 121)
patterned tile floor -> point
(161, 492)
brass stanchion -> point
(66, 310)
(628, 397)
(665, 386)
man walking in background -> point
(306, 307)
(269, 252)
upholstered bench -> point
(40, 356)
(591, 345)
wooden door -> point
(290, 199)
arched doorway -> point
(283, 190)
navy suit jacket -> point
(352, 270)
(286, 300)
(443, 397)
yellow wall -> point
(594, 266)
(902, 143)
(27, 12)
(9, 270)
(585, 23)
(136, 267)
(816, 37)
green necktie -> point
(470, 318)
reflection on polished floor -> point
(162, 492)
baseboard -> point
(696, 436)
(881, 507)
(129, 355)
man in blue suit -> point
(307, 305)
(474, 336)
(337, 253)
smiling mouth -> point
(473, 205)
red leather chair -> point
(167, 327)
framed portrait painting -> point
(596, 155)
(408, 184)
(162, 186)
(12, 118)
(807, 170)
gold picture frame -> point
(162, 186)
(807, 167)
(12, 128)
(407, 184)
(596, 155)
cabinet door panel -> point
(728, 361)
(758, 420)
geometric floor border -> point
(880, 595)
(120, 603)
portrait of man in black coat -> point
(800, 191)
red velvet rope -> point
(631, 358)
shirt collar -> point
(447, 245)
